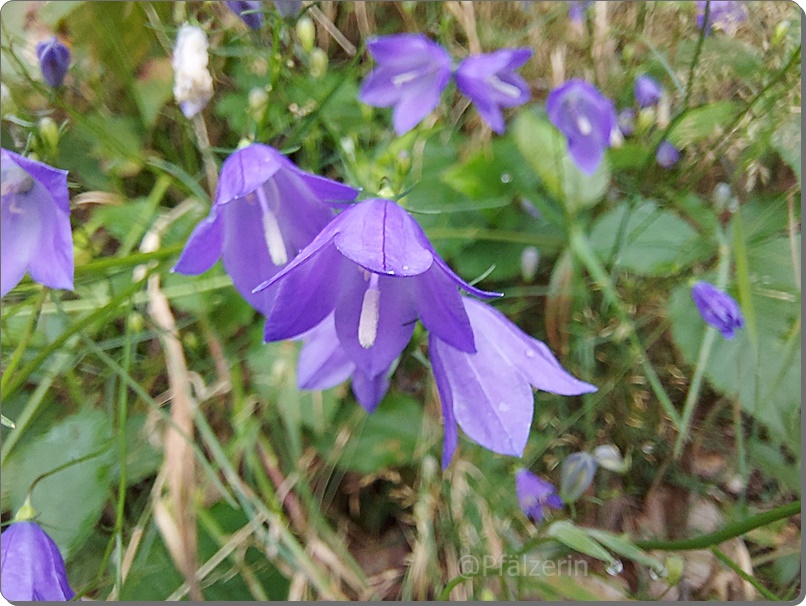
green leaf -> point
(786, 141)
(703, 123)
(623, 546)
(70, 501)
(655, 242)
(578, 539)
(546, 151)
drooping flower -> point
(577, 9)
(647, 91)
(54, 61)
(723, 14)
(32, 568)
(489, 393)
(35, 224)
(411, 74)
(586, 118)
(576, 475)
(490, 82)
(534, 494)
(667, 154)
(376, 271)
(288, 8)
(323, 363)
(193, 84)
(266, 210)
(717, 308)
(248, 11)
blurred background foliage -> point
(301, 494)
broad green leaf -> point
(578, 539)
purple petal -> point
(406, 50)
(476, 292)
(381, 237)
(327, 190)
(446, 397)
(378, 89)
(419, 102)
(439, 306)
(717, 308)
(203, 247)
(51, 262)
(53, 179)
(20, 236)
(322, 361)
(246, 169)
(369, 391)
(531, 358)
(647, 91)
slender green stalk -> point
(738, 570)
(123, 406)
(697, 52)
(28, 331)
(582, 250)
(730, 531)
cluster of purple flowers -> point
(413, 71)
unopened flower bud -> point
(781, 30)
(609, 457)
(193, 84)
(530, 259)
(319, 63)
(306, 32)
(49, 133)
(54, 60)
(674, 565)
(667, 155)
(258, 101)
(576, 475)
(646, 119)
(721, 196)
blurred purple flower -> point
(266, 211)
(626, 121)
(489, 392)
(323, 363)
(724, 15)
(490, 82)
(54, 61)
(534, 494)
(411, 74)
(576, 475)
(667, 154)
(586, 118)
(35, 224)
(576, 12)
(244, 9)
(647, 91)
(32, 568)
(376, 271)
(288, 8)
(717, 308)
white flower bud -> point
(306, 32)
(318, 62)
(530, 259)
(193, 84)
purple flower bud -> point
(576, 475)
(411, 74)
(490, 82)
(35, 222)
(587, 119)
(724, 15)
(667, 155)
(54, 60)
(576, 12)
(647, 91)
(534, 494)
(717, 308)
(288, 8)
(32, 568)
(245, 9)
(626, 121)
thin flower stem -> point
(26, 337)
(738, 570)
(582, 250)
(705, 351)
(123, 405)
(203, 140)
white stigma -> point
(584, 125)
(504, 88)
(370, 312)
(271, 230)
(404, 78)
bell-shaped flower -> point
(193, 84)
(375, 270)
(266, 210)
(489, 393)
(323, 363)
(586, 118)
(647, 91)
(723, 14)
(54, 61)
(717, 308)
(35, 224)
(534, 494)
(32, 568)
(667, 154)
(490, 82)
(576, 475)
(248, 11)
(411, 74)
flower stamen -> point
(504, 88)
(271, 231)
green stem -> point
(705, 352)
(26, 335)
(582, 250)
(738, 570)
(123, 405)
(703, 32)
(730, 531)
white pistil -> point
(271, 230)
(584, 125)
(370, 313)
(504, 88)
(401, 79)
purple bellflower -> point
(717, 308)
(32, 568)
(54, 61)
(489, 393)
(577, 10)
(667, 154)
(586, 118)
(266, 210)
(490, 82)
(647, 91)
(244, 9)
(724, 15)
(626, 121)
(35, 223)
(411, 74)
(375, 270)
(288, 8)
(534, 494)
